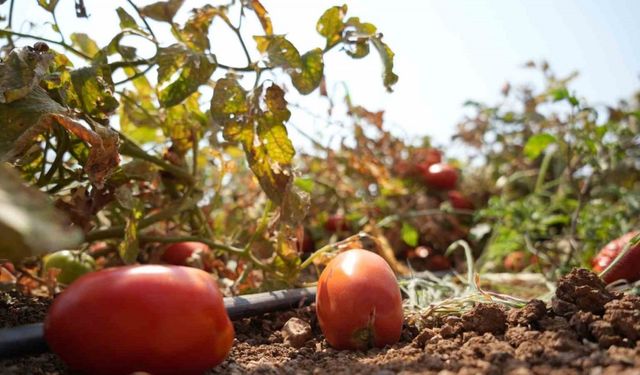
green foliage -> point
(568, 174)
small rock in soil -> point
(296, 332)
(529, 314)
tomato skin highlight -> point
(159, 319)
(628, 268)
(358, 302)
(440, 176)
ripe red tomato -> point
(9, 267)
(459, 201)
(153, 318)
(628, 268)
(518, 260)
(336, 223)
(179, 254)
(358, 302)
(441, 176)
(427, 156)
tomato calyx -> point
(364, 338)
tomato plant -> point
(358, 301)
(72, 264)
(440, 176)
(156, 319)
(187, 254)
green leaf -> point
(170, 59)
(129, 248)
(309, 77)
(281, 52)
(94, 91)
(389, 78)
(306, 184)
(29, 223)
(48, 5)
(21, 71)
(196, 71)
(85, 44)
(162, 10)
(409, 234)
(127, 21)
(538, 143)
(229, 108)
(330, 25)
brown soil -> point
(585, 330)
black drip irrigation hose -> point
(29, 339)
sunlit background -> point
(446, 51)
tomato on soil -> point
(459, 200)
(358, 302)
(180, 254)
(72, 264)
(628, 268)
(336, 223)
(152, 318)
(9, 267)
(440, 176)
(437, 262)
(518, 260)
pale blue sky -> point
(446, 51)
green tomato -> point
(72, 264)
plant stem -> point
(129, 148)
(59, 43)
(144, 20)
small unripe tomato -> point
(336, 223)
(459, 201)
(157, 319)
(358, 301)
(441, 176)
(179, 254)
(72, 264)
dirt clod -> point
(580, 290)
(484, 318)
(296, 332)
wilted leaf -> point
(538, 143)
(49, 5)
(357, 36)
(309, 77)
(330, 25)
(22, 120)
(85, 44)
(263, 16)
(29, 224)
(410, 234)
(196, 71)
(196, 30)
(129, 247)
(21, 71)
(389, 78)
(181, 121)
(162, 10)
